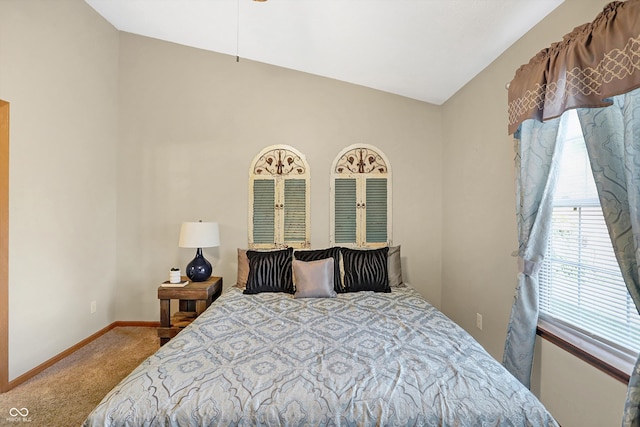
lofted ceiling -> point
(422, 49)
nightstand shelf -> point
(194, 299)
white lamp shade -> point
(199, 235)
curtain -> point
(594, 62)
(536, 172)
(588, 69)
(612, 136)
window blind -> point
(580, 280)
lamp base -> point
(199, 269)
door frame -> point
(4, 246)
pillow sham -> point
(269, 271)
(314, 279)
(243, 268)
(394, 266)
(366, 269)
(318, 254)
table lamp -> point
(199, 235)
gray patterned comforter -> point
(359, 359)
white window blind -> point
(580, 281)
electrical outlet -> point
(479, 321)
(93, 307)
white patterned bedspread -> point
(359, 359)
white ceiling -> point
(421, 49)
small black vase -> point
(199, 269)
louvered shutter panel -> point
(345, 194)
(295, 206)
(263, 211)
(376, 209)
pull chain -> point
(238, 31)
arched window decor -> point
(279, 199)
(361, 198)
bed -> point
(355, 358)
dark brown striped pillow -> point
(270, 271)
(365, 269)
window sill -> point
(609, 360)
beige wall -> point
(190, 124)
(479, 227)
(58, 69)
(191, 121)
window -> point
(580, 282)
(279, 199)
(361, 198)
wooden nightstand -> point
(194, 299)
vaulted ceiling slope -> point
(422, 49)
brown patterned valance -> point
(595, 61)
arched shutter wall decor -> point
(279, 199)
(361, 198)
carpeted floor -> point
(64, 394)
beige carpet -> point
(64, 394)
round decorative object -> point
(199, 269)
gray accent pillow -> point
(314, 279)
(394, 266)
(316, 254)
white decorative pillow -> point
(394, 267)
(314, 279)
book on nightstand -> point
(168, 284)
